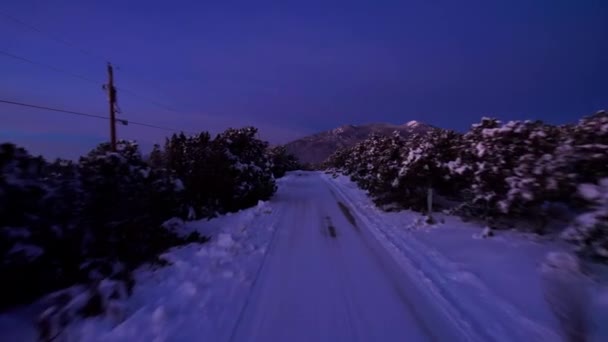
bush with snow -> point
(228, 173)
(520, 168)
(91, 222)
(282, 161)
(125, 200)
(65, 223)
(249, 176)
(496, 172)
(398, 170)
(501, 162)
(425, 165)
(26, 205)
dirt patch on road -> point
(349, 216)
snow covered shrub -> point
(194, 161)
(231, 172)
(501, 163)
(425, 164)
(125, 204)
(22, 191)
(282, 161)
(63, 223)
(24, 229)
(582, 154)
(380, 164)
(248, 177)
(590, 230)
(337, 160)
(397, 170)
(498, 172)
(357, 164)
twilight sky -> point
(296, 67)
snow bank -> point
(198, 296)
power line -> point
(157, 127)
(84, 78)
(86, 52)
(54, 109)
(52, 37)
(48, 66)
(123, 121)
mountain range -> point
(316, 148)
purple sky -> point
(297, 67)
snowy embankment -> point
(491, 287)
(200, 293)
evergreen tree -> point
(156, 158)
(282, 161)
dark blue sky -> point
(296, 67)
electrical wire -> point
(84, 78)
(48, 66)
(123, 121)
(52, 37)
(54, 109)
(86, 52)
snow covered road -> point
(320, 262)
(327, 279)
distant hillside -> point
(316, 148)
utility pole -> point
(112, 99)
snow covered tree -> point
(582, 154)
(424, 168)
(125, 203)
(21, 188)
(192, 160)
(397, 170)
(247, 175)
(380, 163)
(282, 161)
(337, 160)
(501, 163)
(119, 184)
(231, 172)
(23, 200)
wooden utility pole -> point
(112, 99)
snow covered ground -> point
(320, 263)
(199, 295)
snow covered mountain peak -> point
(413, 124)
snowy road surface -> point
(327, 279)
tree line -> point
(502, 174)
(98, 218)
